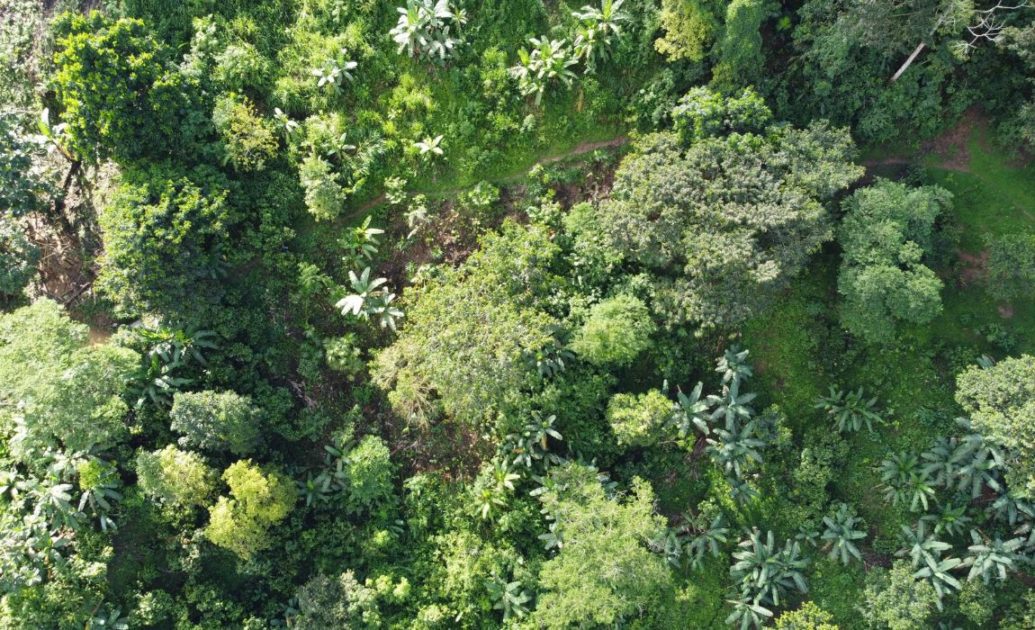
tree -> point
(896, 600)
(166, 240)
(886, 232)
(58, 391)
(638, 420)
(740, 62)
(259, 499)
(616, 331)
(604, 573)
(119, 94)
(1001, 404)
(175, 477)
(1011, 266)
(710, 221)
(689, 27)
(216, 421)
(471, 335)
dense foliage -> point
(465, 314)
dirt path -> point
(580, 149)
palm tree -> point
(843, 528)
(850, 410)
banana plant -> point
(734, 452)
(707, 540)
(365, 291)
(734, 365)
(531, 445)
(850, 410)
(990, 559)
(905, 481)
(747, 613)
(732, 406)
(691, 412)
(923, 549)
(508, 596)
(766, 572)
(950, 519)
(843, 528)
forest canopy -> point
(419, 314)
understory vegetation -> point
(531, 314)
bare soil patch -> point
(973, 267)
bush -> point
(216, 421)
(617, 330)
(250, 140)
(808, 617)
(370, 471)
(639, 420)
(1011, 266)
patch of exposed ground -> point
(973, 267)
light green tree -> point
(604, 574)
(259, 499)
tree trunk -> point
(909, 61)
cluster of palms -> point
(765, 572)
(44, 514)
(428, 29)
(734, 437)
(521, 454)
(369, 298)
(328, 483)
(550, 60)
(942, 483)
(167, 353)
